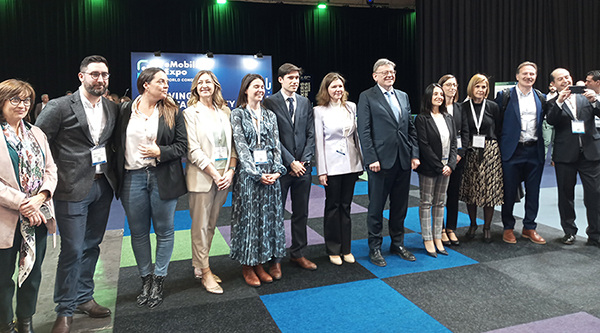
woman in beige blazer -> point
(209, 170)
(27, 182)
(339, 163)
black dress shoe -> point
(568, 239)
(590, 242)
(452, 242)
(444, 252)
(7, 328)
(25, 325)
(377, 258)
(487, 236)
(403, 253)
(431, 254)
(471, 232)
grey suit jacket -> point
(65, 123)
(298, 138)
(382, 137)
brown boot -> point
(262, 275)
(533, 236)
(275, 271)
(250, 277)
(509, 236)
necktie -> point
(291, 108)
(395, 108)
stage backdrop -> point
(182, 67)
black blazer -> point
(173, 146)
(430, 144)
(382, 137)
(491, 126)
(298, 138)
(462, 130)
(566, 144)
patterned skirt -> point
(482, 183)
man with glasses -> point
(79, 129)
(390, 150)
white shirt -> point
(141, 130)
(95, 118)
(393, 98)
(528, 111)
(442, 127)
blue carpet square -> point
(183, 221)
(360, 306)
(397, 266)
(413, 223)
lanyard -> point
(257, 125)
(475, 120)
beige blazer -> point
(200, 145)
(11, 196)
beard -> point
(97, 90)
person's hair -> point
(15, 88)
(554, 71)
(383, 62)
(595, 74)
(443, 80)
(426, 105)
(125, 99)
(323, 97)
(242, 99)
(68, 92)
(42, 96)
(167, 108)
(115, 98)
(91, 59)
(217, 96)
(526, 63)
(475, 80)
(287, 68)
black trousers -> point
(395, 184)
(452, 195)
(566, 179)
(28, 293)
(336, 222)
(300, 191)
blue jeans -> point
(81, 225)
(143, 204)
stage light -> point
(370, 2)
(322, 6)
(259, 55)
(221, 2)
(249, 63)
(210, 54)
(157, 53)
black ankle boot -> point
(156, 295)
(25, 325)
(142, 298)
(7, 328)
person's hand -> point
(590, 95)
(32, 205)
(273, 176)
(446, 171)
(298, 169)
(563, 95)
(269, 178)
(458, 158)
(323, 180)
(36, 219)
(150, 150)
(224, 182)
(375, 166)
(414, 163)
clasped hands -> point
(30, 208)
(298, 169)
(223, 182)
(376, 166)
(269, 178)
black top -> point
(491, 125)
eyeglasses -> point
(386, 73)
(448, 84)
(96, 75)
(16, 101)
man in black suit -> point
(79, 128)
(576, 150)
(522, 150)
(390, 150)
(297, 135)
(39, 107)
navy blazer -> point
(173, 146)
(65, 124)
(382, 137)
(430, 144)
(298, 138)
(511, 125)
(566, 144)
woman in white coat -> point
(209, 170)
(339, 163)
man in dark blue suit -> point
(576, 151)
(390, 150)
(297, 136)
(522, 149)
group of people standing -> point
(83, 149)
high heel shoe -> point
(444, 252)
(471, 232)
(445, 239)
(431, 254)
(453, 242)
(487, 236)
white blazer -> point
(329, 133)
(200, 125)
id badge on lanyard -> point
(577, 127)
(478, 139)
(98, 155)
(220, 154)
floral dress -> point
(257, 230)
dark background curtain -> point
(464, 37)
(44, 41)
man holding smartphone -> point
(576, 151)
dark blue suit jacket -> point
(382, 137)
(511, 125)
